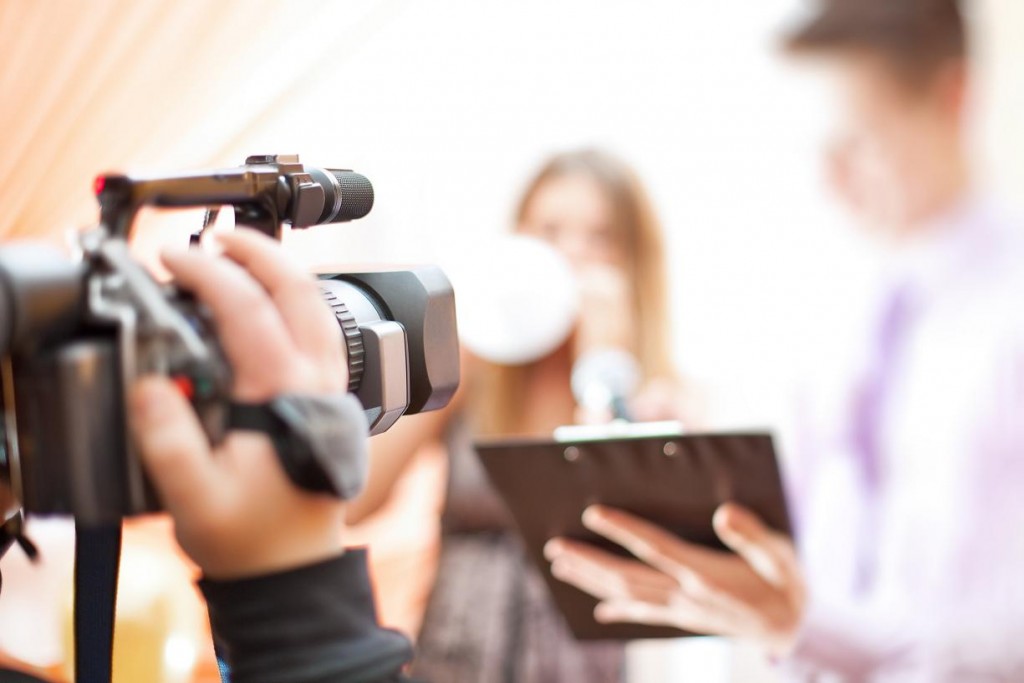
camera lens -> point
(335, 294)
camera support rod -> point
(266, 192)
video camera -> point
(75, 334)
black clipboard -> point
(674, 481)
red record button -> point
(185, 386)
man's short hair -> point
(915, 37)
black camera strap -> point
(97, 557)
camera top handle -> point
(267, 192)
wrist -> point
(289, 529)
(315, 622)
(273, 560)
(781, 644)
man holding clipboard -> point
(909, 505)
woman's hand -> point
(235, 511)
(606, 319)
(758, 593)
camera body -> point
(75, 335)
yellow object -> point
(158, 632)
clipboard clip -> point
(619, 429)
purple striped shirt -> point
(908, 475)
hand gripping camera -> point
(74, 335)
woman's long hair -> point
(499, 392)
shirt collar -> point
(952, 245)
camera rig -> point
(75, 334)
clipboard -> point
(676, 481)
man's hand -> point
(235, 511)
(758, 593)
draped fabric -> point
(87, 87)
(1000, 25)
(161, 85)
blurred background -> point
(448, 107)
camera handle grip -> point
(321, 441)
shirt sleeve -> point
(835, 641)
(314, 624)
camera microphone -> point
(347, 195)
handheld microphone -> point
(603, 380)
(518, 299)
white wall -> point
(450, 105)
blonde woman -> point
(489, 618)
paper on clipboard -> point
(618, 429)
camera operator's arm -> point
(286, 602)
(393, 451)
(390, 455)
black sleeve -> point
(314, 624)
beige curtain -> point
(97, 85)
(88, 86)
